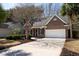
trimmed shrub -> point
(16, 36)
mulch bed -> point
(68, 39)
(66, 52)
(21, 42)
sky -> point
(12, 5)
(9, 5)
(55, 7)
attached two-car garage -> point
(55, 33)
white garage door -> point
(56, 33)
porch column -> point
(38, 32)
(35, 32)
(66, 33)
(44, 32)
(32, 32)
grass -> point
(71, 48)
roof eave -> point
(58, 17)
(40, 27)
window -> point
(54, 19)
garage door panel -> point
(55, 33)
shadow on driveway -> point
(14, 53)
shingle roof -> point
(45, 21)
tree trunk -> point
(70, 27)
(26, 33)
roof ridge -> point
(61, 19)
(46, 21)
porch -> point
(38, 32)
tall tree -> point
(3, 14)
(71, 10)
(26, 15)
(50, 5)
(26, 10)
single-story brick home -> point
(7, 28)
(4, 30)
(55, 26)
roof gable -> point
(45, 21)
(57, 17)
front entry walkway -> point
(41, 47)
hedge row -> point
(16, 36)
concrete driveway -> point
(41, 47)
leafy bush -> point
(16, 31)
(29, 36)
(16, 36)
(75, 34)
